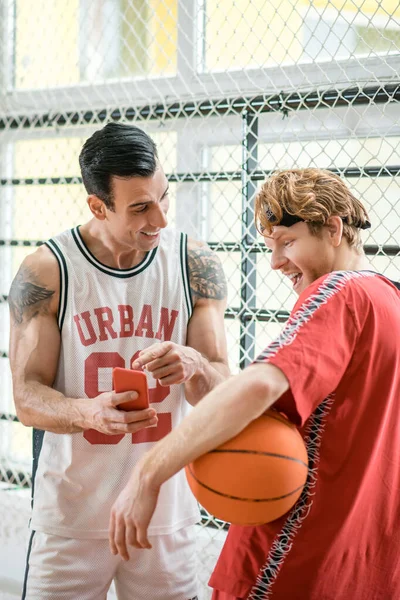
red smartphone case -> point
(126, 380)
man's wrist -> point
(149, 475)
(201, 366)
(81, 417)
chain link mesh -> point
(229, 92)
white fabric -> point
(110, 315)
(67, 569)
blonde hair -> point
(314, 195)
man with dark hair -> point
(119, 151)
(122, 290)
(334, 371)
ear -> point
(97, 207)
(335, 230)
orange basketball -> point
(256, 476)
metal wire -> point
(230, 92)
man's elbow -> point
(222, 367)
(22, 410)
(266, 383)
(23, 414)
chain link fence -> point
(230, 92)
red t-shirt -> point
(340, 351)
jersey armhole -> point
(62, 265)
(185, 273)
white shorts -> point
(61, 568)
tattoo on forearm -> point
(28, 298)
(207, 278)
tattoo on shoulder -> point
(27, 297)
(207, 277)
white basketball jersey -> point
(106, 316)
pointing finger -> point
(152, 353)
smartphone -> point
(126, 380)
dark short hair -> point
(115, 150)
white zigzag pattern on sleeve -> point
(333, 284)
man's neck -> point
(350, 259)
(104, 248)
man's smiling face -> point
(300, 255)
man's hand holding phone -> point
(123, 410)
(129, 380)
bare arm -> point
(224, 413)
(203, 362)
(34, 353)
(221, 415)
(206, 330)
(35, 346)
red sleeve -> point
(315, 347)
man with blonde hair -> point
(334, 371)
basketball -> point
(255, 477)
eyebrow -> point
(145, 202)
(276, 237)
